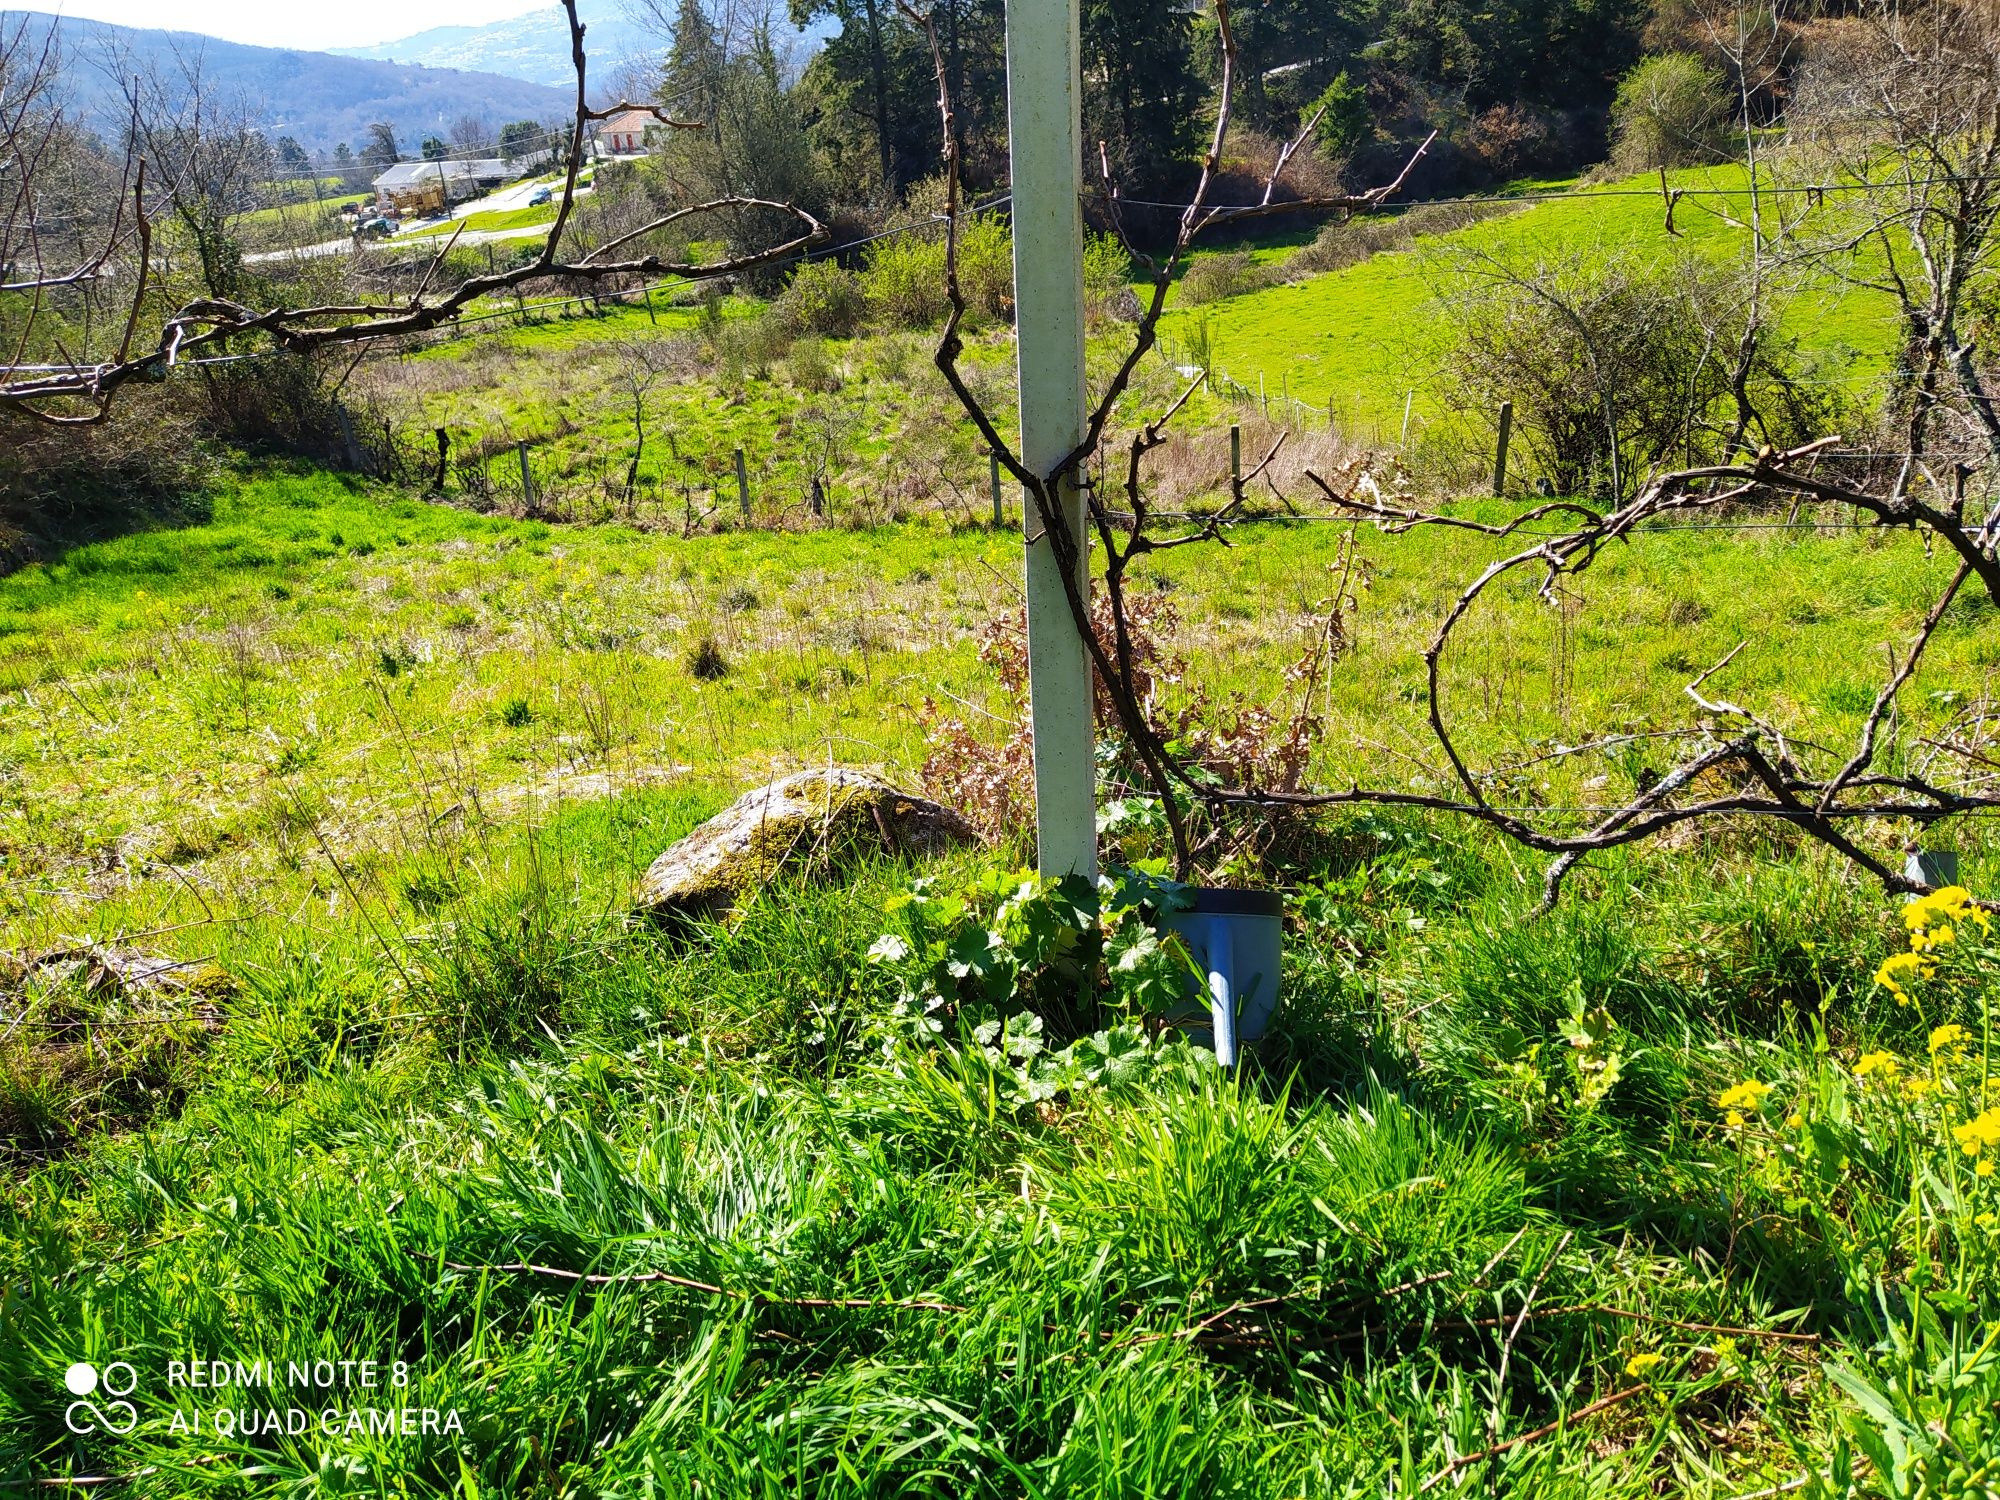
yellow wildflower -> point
(1749, 1094)
(1725, 1350)
(1984, 1169)
(1949, 903)
(1949, 1038)
(1986, 1222)
(1975, 1136)
(1795, 1121)
(1917, 1086)
(1884, 1063)
(1639, 1364)
(1899, 968)
(1734, 1119)
(1930, 918)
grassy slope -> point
(303, 728)
(1357, 337)
(443, 1044)
(391, 769)
(491, 219)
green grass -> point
(491, 219)
(1358, 337)
(380, 775)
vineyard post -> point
(1235, 461)
(1500, 457)
(999, 506)
(1045, 129)
(742, 479)
(527, 475)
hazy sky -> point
(276, 23)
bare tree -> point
(81, 390)
(1730, 762)
(1901, 115)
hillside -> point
(1362, 337)
(533, 46)
(316, 98)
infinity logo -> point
(115, 1417)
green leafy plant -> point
(1002, 944)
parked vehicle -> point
(540, 196)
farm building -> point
(432, 186)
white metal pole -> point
(1045, 130)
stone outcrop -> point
(822, 818)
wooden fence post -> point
(527, 475)
(1500, 458)
(348, 441)
(999, 505)
(742, 473)
(1235, 462)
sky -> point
(311, 27)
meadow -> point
(1677, 1189)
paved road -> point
(507, 198)
(401, 242)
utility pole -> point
(1045, 129)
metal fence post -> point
(742, 483)
(1500, 458)
(527, 475)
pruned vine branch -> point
(82, 392)
(1733, 763)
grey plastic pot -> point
(1237, 939)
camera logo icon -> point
(83, 1381)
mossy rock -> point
(821, 819)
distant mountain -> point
(318, 99)
(534, 46)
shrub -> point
(986, 268)
(748, 347)
(824, 298)
(903, 282)
(1107, 275)
(1347, 244)
(1512, 139)
(812, 368)
(1213, 277)
(1344, 122)
(706, 662)
(1671, 111)
(1617, 365)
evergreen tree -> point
(695, 64)
(1142, 93)
(344, 165)
(292, 158)
(381, 149)
(522, 140)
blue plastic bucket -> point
(1237, 939)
